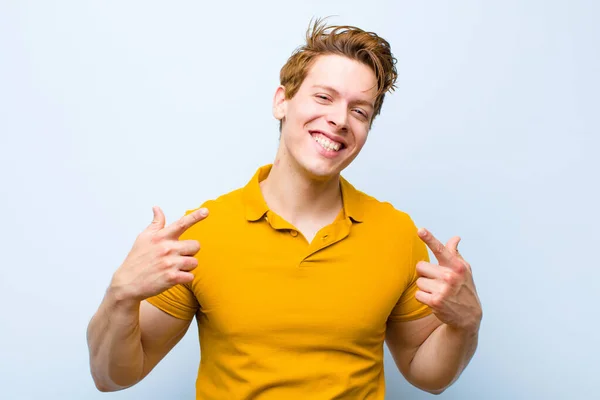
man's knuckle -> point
(167, 263)
(155, 238)
(172, 276)
(449, 277)
(460, 266)
(194, 217)
(444, 291)
(181, 225)
(164, 249)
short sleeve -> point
(178, 301)
(408, 307)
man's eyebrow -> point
(357, 101)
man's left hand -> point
(448, 287)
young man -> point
(301, 277)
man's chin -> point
(319, 172)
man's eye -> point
(361, 112)
(321, 96)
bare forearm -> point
(114, 341)
(440, 360)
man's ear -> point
(279, 103)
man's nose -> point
(338, 118)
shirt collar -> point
(254, 202)
(256, 207)
(353, 206)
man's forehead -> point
(342, 75)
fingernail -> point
(203, 212)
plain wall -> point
(109, 108)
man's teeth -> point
(326, 143)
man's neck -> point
(296, 197)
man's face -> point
(327, 122)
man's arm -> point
(127, 340)
(128, 336)
(430, 354)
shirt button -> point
(293, 233)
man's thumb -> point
(159, 219)
(452, 245)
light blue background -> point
(108, 108)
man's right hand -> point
(158, 260)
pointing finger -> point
(177, 228)
(441, 253)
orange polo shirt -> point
(281, 318)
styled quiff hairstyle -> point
(349, 41)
